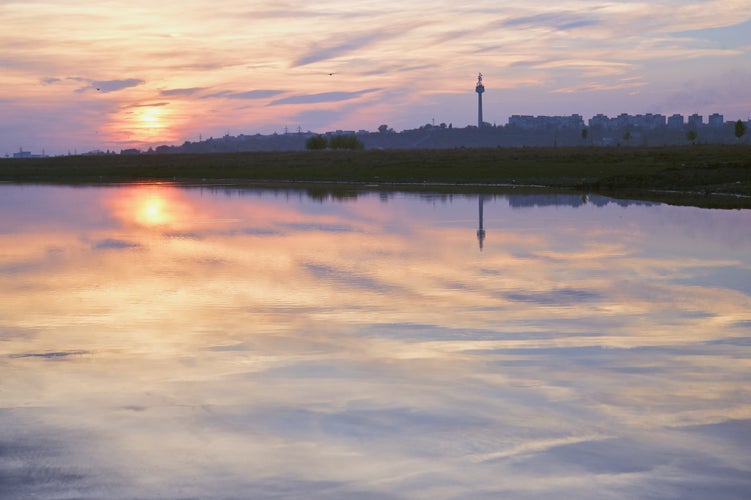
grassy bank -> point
(705, 175)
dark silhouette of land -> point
(701, 175)
(569, 133)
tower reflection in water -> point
(480, 229)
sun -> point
(145, 125)
(150, 118)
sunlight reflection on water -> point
(158, 341)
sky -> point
(80, 75)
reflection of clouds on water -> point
(720, 275)
(49, 355)
(326, 228)
(33, 464)
(114, 244)
(334, 275)
(271, 345)
(18, 268)
(9, 332)
(184, 235)
(261, 232)
(561, 296)
(741, 341)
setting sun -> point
(150, 118)
(144, 124)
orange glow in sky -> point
(113, 75)
(150, 118)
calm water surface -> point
(164, 342)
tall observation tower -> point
(479, 88)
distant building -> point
(621, 121)
(599, 120)
(652, 121)
(648, 121)
(675, 121)
(27, 154)
(572, 121)
(695, 121)
(715, 120)
(522, 121)
(546, 122)
(22, 154)
(339, 132)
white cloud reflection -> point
(233, 343)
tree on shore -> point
(345, 142)
(691, 135)
(740, 129)
(627, 136)
(316, 142)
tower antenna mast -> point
(479, 88)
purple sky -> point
(111, 75)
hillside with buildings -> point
(520, 131)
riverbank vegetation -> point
(704, 175)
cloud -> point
(395, 68)
(424, 52)
(728, 89)
(603, 67)
(148, 105)
(561, 21)
(106, 86)
(600, 87)
(536, 447)
(557, 297)
(453, 35)
(320, 116)
(182, 92)
(335, 47)
(734, 35)
(250, 94)
(322, 97)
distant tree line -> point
(740, 129)
(345, 141)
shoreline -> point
(710, 176)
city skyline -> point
(115, 75)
